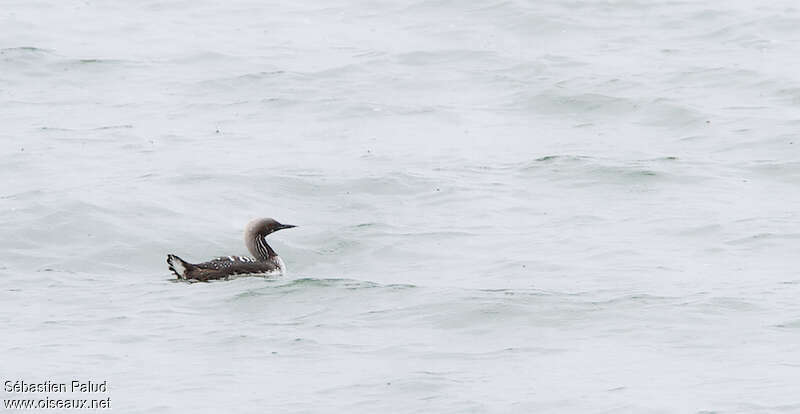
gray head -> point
(264, 226)
(255, 237)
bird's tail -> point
(178, 266)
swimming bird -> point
(264, 260)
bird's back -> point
(221, 268)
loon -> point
(266, 261)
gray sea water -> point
(503, 206)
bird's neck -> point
(260, 249)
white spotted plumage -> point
(243, 259)
(263, 262)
